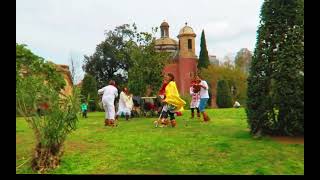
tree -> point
(74, 70)
(111, 60)
(50, 114)
(203, 56)
(223, 95)
(289, 78)
(276, 62)
(243, 60)
(236, 78)
(147, 68)
(89, 91)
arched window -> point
(189, 43)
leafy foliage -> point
(237, 80)
(203, 56)
(111, 60)
(243, 60)
(223, 95)
(50, 114)
(89, 91)
(275, 84)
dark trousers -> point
(192, 110)
(84, 113)
(166, 113)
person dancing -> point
(195, 97)
(172, 99)
(109, 93)
(204, 97)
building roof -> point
(166, 41)
(186, 30)
(164, 24)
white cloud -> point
(55, 28)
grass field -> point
(223, 146)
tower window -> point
(189, 43)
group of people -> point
(109, 94)
(170, 98)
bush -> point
(224, 99)
(50, 114)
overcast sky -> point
(56, 29)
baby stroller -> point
(149, 106)
(136, 109)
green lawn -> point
(222, 146)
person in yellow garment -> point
(172, 100)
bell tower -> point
(164, 27)
(187, 42)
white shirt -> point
(109, 92)
(204, 93)
(125, 102)
(236, 104)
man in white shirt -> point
(204, 97)
(109, 92)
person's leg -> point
(203, 102)
(105, 107)
(163, 117)
(192, 113)
(198, 112)
(172, 119)
(111, 112)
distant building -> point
(65, 72)
(184, 61)
(213, 60)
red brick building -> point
(183, 65)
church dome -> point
(164, 24)
(186, 30)
(166, 41)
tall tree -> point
(223, 94)
(146, 71)
(111, 60)
(89, 91)
(272, 66)
(203, 56)
(289, 76)
(243, 60)
(74, 70)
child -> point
(195, 98)
(84, 109)
(172, 100)
(163, 112)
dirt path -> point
(288, 140)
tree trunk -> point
(46, 158)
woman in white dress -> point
(109, 92)
(125, 104)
